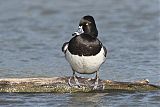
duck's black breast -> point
(84, 45)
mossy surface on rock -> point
(60, 85)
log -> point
(60, 85)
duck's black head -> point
(87, 25)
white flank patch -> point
(65, 47)
(86, 64)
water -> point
(32, 33)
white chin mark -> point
(77, 33)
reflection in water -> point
(86, 99)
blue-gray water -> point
(32, 33)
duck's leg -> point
(75, 79)
(96, 80)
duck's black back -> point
(85, 45)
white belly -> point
(86, 64)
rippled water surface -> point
(32, 33)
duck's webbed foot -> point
(98, 85)
(76, 82)
(96, 82)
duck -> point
(84, 51)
